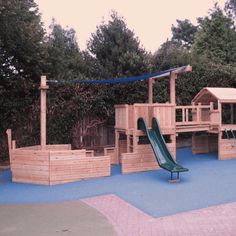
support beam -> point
(178, 70)
(150, 91)
(173, 77)
(43, 93)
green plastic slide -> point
(161, 151)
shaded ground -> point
(72, 218)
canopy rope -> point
(115, 80)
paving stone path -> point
(130, 221)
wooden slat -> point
(40, 167)
(142, 160)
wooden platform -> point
(192, 128)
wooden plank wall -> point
(30, 166)
(48, 147)
(142, 160)
(204, 143)
(75, 165)
(122, 148)
(215, 117)
(121, 116)
(200, 144)
(227, 149)
(58, 166)
(164, 115)
(213, 142)
(110, 151)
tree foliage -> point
(117, 50)
(21, 39)
(230, 8)
(184, 33)
(64, 59)
(22, 61)
(117, 53)
(216, 38)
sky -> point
(151, 20)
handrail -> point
(193, 114)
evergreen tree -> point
(230, 8)
(116, 52)
(216, 38)
(22, 61)
(117, 49)
(184, 33)
(65, 58)
(21, 39)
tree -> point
(117, 50)
(64, 56)
(117, 53)
(184, 33)
(216, 38)
(171, 54)
(21, 39)
(230, 8)
(22, 61)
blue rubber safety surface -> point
(209, 182)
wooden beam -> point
(183, 69)
(150, 91)
(178, 70)
(173, 77)
(43, 93)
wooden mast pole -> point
(150, 91)
(43, 93)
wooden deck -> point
(193, 128)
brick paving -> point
(130, 221)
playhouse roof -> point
(224, 95)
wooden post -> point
(199, 112)
(150, 91)
(173, 77)
(9, 140)
(135, 138)
(220, 111)
(183, 115)
(13, 144)
(117, 147)
(43, 94)
(219, 130)
(231, 113)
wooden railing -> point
(167, 115)
(193, 115)
(127, 115)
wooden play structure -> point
(210, 118)
(53, 164)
